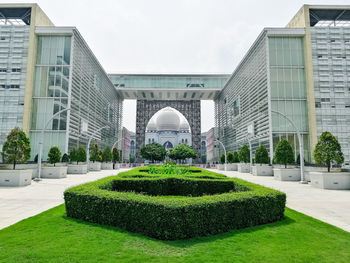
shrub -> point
(54, 155)
(132, 158)
(182, 152)
(143, 203)
(328, 151)
(284, 153)
(235, 157)
(153, 152)
(78, 154)
(116, 156)
(244, 154)
(16, 148)
(222, 158)
(65, 158)
(229, 157)
(94, 152)
(107, 155)
(261, 155)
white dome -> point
(168, 120)
(151, 125)
(184, 126)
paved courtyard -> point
(331, 206)
(18, 203)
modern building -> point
(45, 70)
(301, 71)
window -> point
(2, 38)
(16, 70)
(236, 107)
(325, 100)
(317, 105)
(13, 86)
(3, 70)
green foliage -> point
(166, 210)
(244, 154)
(182, 152)
(107, 155)
(77, 154)
(235, 157)
(204, 158)
(115, 155)
(153, 152)
(328, 151)
(261, 155)
(16, 148)
(229, 157)
(100, 156)
(284, 153)
(65, 158)
(54, 155)
(95, 153)
(169, 168)
(222, 158)
(132, 158)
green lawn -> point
(52, 237)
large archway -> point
(190, 109)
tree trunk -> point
(329, 167)
(54, 165)
(14, 164)
(285, 165)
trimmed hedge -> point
(127, 201)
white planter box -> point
(231, 167)
(308, 169)
(221, 167)
(96, 166)
(117, 166)
(77, 169)
(54, 172)
(243, 167)
(287, 174)
(15, 177)
(262, 170)
(107, 166)
(333, 181)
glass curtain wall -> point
(50, 93)
(288, 91)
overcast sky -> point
(171, 36)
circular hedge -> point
(174, 207)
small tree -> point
(182, 152)
(100, 156)
(54, 155)
(284, 153)
(16, 148)
(229, 157)
(65, 158)
(153, 152)
(115, 155)
(204, 158)
(235, 158)
(244, 154)
(328, 151)
(132, 158)
(94, 152)
(222, 158)
(77, 154)
(107, 155)
(261, 155)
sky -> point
(171, 36)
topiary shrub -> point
(244, 154)
(229, 157)
(16, 148)
(262, 155)
(235, 157)
(284, 153)
(54, 155)
(116, 155)
(169, 207)
(65, 158)
(222, 158)
(328, 151)
(94, 151)
(78, 154)
(107, 155)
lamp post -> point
(225, 165)
(301, 146)
(88, 146)
(41, 142)
(250, 154)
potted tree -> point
(77, 155)
(55, 172)
(327, 152)
(182, 152)
(95, 157)
(262, 159)
(16, 149)
(115, 157)
(284, 155)
(65, 158)
(244, 158)
(107, 159)
(153, 152)
(221, 166)
(232, 159)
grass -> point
(52, 237)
